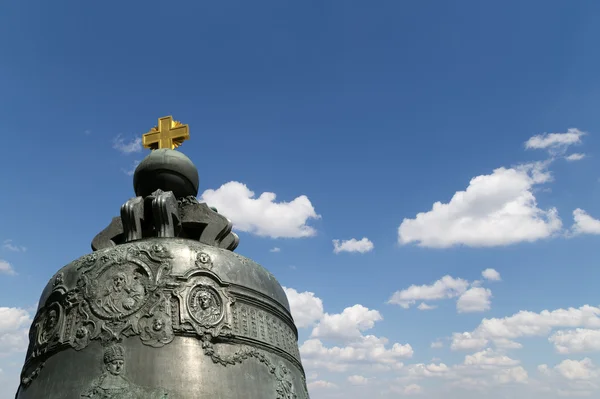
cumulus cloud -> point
(412, 389)
(346, 328)
(576, 341)
(127, 146)
(471, 296)
(555, 143)
(476, 299)
(9, 245)
(358, 380)
(584, 223)
(446, 287)
(571, 378)
(306, 308)
(7, 268)
(526, 324)
(369, 350)
(275, 249)
(467, 341)
(577, 369)
(348, 325)
(362, 246)
(321, 384)
(491, 275)
(437, 345)
(479, 374)
(14, 324)
(489, 358)
(512, 375)
(575, 157)
(262, 216)
(495, 210)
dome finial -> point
(164, 168)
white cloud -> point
(555, 143)
(526, 324)
(412, 389)
(127, 147)
(467, 341)
(576, 341)
(348, 325)
(437, 345)
(420, 370)
(571, 378)
(476, 299)
(513, 374)
(131, 171)
(424, 306)
(14, 325)
(503, 343)
(495, 210)
(321, 384)
(358, 380)
(481, 370)
(306, 308)
(11, 246)
(577, 369)
(369, 350)
(575, 157)
(275, 249)
(446, 287)
(491, 275)
(362, 246)
(6, 268)
(489, 358)
(584, 223)
(347, 328)
(262, 216)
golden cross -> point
(167, 134)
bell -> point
(163, 307)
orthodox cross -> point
(167, 134)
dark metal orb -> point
(168, 170)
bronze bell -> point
(163, 307)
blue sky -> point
(358, 116)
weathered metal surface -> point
(164, 318)
(163, 309)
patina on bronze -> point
(163, 307)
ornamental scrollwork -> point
(284, 389)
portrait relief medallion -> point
(119, 291)
(49, 326)
(205, 305)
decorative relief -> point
(119, 293)
(26, 380)
(58, 280)
(264, 327)
(285, 386)
(189, 200)
(203, 261)
(156, 328)
(49, 324)
(112, 383)
(129, 291)
(205, 306)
